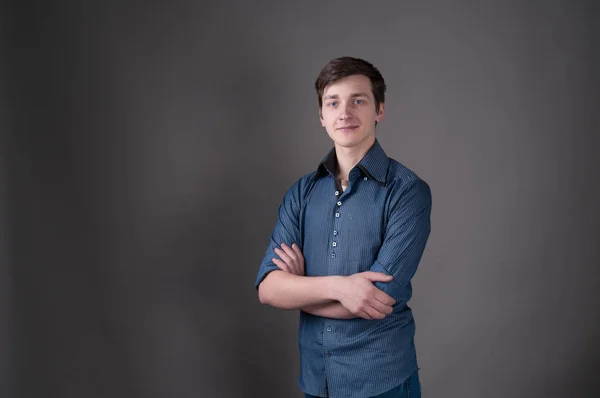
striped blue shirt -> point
(380, 223)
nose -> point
(345, 112)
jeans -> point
(411, 388)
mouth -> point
(348, 128)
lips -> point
(347, 128)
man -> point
(346, 244)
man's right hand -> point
(359, 296)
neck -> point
(348, 157)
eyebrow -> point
(353, 95)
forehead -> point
(349, 85)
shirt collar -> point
(374, 164)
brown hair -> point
(339, 68)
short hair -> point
(342, 67)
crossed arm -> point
(357, 292)
(369, 294)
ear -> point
(381, 112)
(321, 118)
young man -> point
(346, 244)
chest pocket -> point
(363, 227)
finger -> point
(377, 276)
(381, 307)
(283, 255)
(290, 269)
(364, 315)
(384, 298)
(291, 259)
(373, 313)
(298, 252)
(299, 258)
(282, 265)
(289, 251)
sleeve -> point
(406, 236)
(286, 230)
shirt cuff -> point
(400, 293)
(263, 272)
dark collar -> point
(374, 164)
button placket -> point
(337, 215)
(328, 339)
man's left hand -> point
(290, 259)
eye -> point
(333, 103)
(359, 101)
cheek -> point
(368, 115)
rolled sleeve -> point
(286, 230)
(406, 236)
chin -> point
(349, 141)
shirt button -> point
(365, 178)
(339, 203)
(334, 233)
(337, 214)
(329, 328)
(334, 244)
(332, 255)
(337, 193)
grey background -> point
(150, 143)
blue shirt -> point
(381, 223)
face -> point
(348, 112)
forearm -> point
(290, 292)
(332, 309)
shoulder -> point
(405, 183)
(299, 189)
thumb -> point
(377, 276)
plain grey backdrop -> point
(148, 146)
